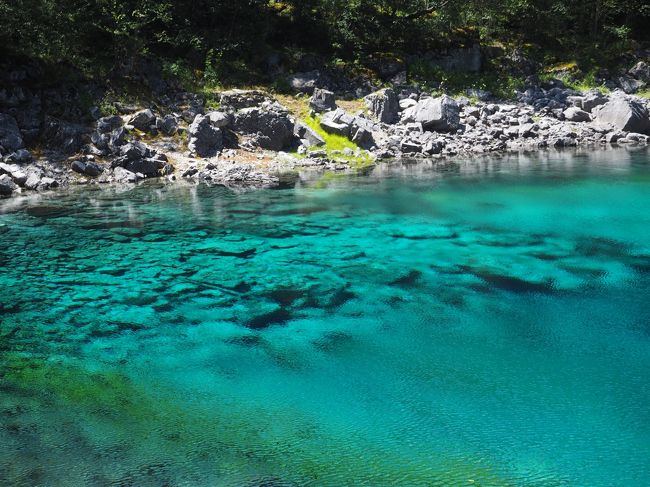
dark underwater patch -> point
(246, 340)
(46, 211)
(409, 280)
(340, 297)
(598, 246)
(113, 224)
(299, 211)
(277, 317)
(286, 296)
(244, 254)
(509, 283)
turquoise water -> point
(483, 324)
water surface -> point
(475, 324)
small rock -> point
(21, 156)
(168, 125)
(143, 120)
(87, 168)
(122, 175)
(322, 101)
(108, 124)
(7, 185)
(308, 136)
(575, 114)
(219, 119)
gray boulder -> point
(149, 167)
(308, 136)
(143, 120)
(435, 114)
(337, 122)
(10, 138)
(365, 133)
(593, 99)
(87, 168)
(322, 101)
(205, 140)
(21, 156)
(384, 106)
(629, 85)
(15, 172)
(641, 71)
(117, 138)
(167, 125)
(304, 82)
(271, 126)
(134, 150)
(108, 124)
(407, 103)
(7, 185)
(623, 113)
(122, 175)
(219, 119)
(575, 114)
(63, 136)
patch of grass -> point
(573, 77)
(298, 106)
(644, 94)
(336, 144)
(333, 142)
(353, 106)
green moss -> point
(336, 144)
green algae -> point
(238, 437)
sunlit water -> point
(486, 324)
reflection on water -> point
(485, 324)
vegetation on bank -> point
(219, 42)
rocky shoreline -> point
(252, 140)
